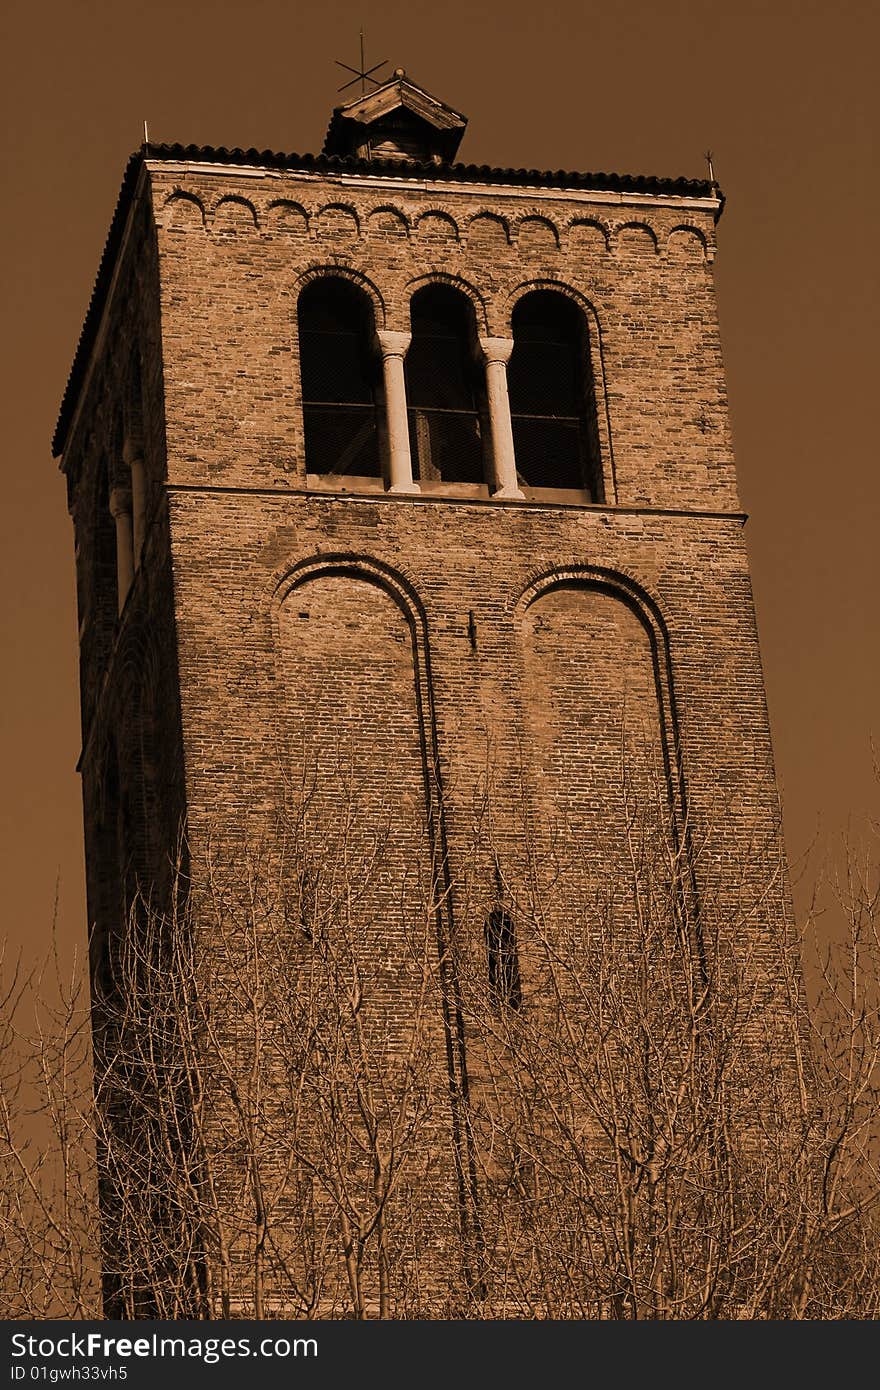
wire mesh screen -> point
(551, 397)
(447, 445)
(342, 439)
(549, 452)
(338, 380)
(446, 435)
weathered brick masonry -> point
(280, 623)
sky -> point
(782, 93)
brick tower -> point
(406, 516)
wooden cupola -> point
(399, 120)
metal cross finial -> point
(361, 74)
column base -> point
(505, 494)
(405, 489)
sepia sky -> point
(783, 93)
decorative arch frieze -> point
(588, 234)
(635, 239)
(287, 217)
(687, 243)
(536, 235)
(183, 211)
(488, 229)
(435, 225)
(337, 221)
(387, 221)
(232, 214)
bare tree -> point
(49, 1237)
(273, 1094)
(664, 1129)
(655, 1122)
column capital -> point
(392, 343)
(120, 501)
(496, 349)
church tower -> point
(410, 564)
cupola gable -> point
(398, 120)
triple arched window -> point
(451, 427)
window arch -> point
(552, 401)
(443, 388)
(340, 379)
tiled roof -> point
(461, 173)
(331, 164)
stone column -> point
(393, 348)
(132, 456)
(496, 354)
(120, 510)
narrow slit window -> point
(98, 601)
(442, 388)
(503, 960)
(340, 379)
(552, 402)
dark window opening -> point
(136, 826)
(110, 914)
(443, 388)
(522, 1176)
(97, 592)
(134, 403)
(552, 402)
(504, 981)
(340, 379)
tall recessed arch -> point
(600, 715)
(358, 731)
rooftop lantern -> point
(397, 120)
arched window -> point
(552, 405)
(98, 597)
(442, 388)
(340, 379)
(106, 890)
(503, 960)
